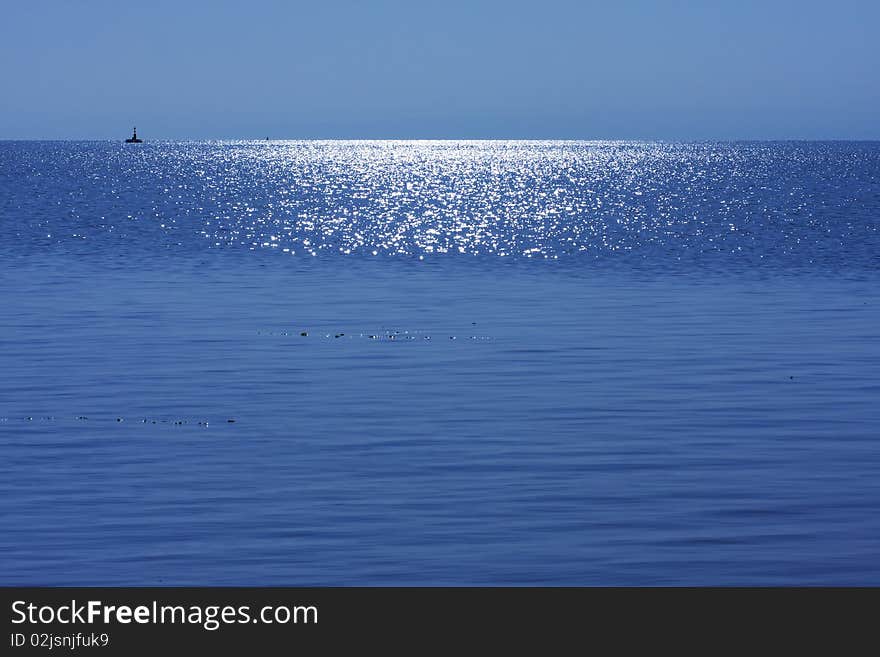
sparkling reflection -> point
(515, 199)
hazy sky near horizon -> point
(405, 69)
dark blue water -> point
(524, 363)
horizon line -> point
(563, 139)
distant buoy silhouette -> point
(134, 137)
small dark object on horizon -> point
(134, 137)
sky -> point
(623, 69)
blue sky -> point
(479, 69)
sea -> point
(406, 363)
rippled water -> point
(523, 362)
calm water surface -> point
(524, 363)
